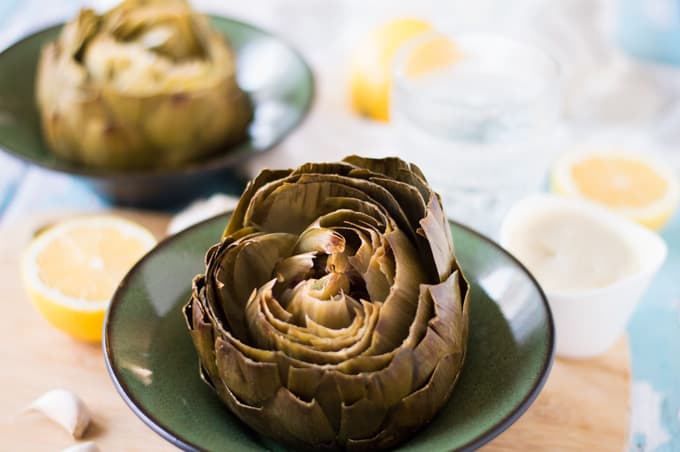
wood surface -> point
(584, 406)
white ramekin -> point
(588, 322)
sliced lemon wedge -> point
(632, 184)
(72, 269)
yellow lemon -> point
(370, 67)
(430, 55)
(632, 184)
(72, 269)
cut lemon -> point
(632, 184)
(371, 65)
(72, 269)
(431, 55)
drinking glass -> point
(475, 112)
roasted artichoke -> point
(147, 84)
(333, 313)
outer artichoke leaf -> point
(179, 40)
(448, 306)
(436, 229)
(323, 168)
(408, 197)
(201, 330)
(251, 381)
(254, 353)
(394, 168)
(75, 35)
(348, 218)
(391, 384)
(254, 255)
(361, 419)
(236, 221)
(424, 403)
(262, 420)
(303, 381)
(356, 205)
(364, 363)
(300, 421)
(351, 387)
(377, 193)
(255, 262)
(389, 166)
(424, 312)
(427, 353)
(415, 169)
(291, 207)
(330, 400)
(222, 297)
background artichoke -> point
(147, 84)
(333, 313)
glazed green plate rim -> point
(179, 441)
(216, 162)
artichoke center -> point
(325, 300)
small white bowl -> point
(589, 321)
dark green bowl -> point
(153, 364)
(276, 77)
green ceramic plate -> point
(275, 76)
(152, 361)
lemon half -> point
(632, 184)
(72, 269)
(371, 65)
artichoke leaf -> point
(435, 228)
(240, 372)
(290, 207)
(400, 306)
(379, 194)
(294, 269)
(236, 221)
(321, 240)
(393, 168)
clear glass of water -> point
(476, 114)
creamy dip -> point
(571, 250)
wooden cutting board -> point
(585, 404)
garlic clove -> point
(88, 446)
(65, 408)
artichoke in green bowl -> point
(333, 313)
(147, 84)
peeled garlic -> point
(88, 446)
(66, 409)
